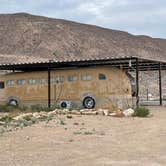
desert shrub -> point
(113, 108)
(7, 108)
(77, 132)
(23, 108)
(142, 112)
(43, 118)
(47, 109)
(88, 133)
(27, 118)
(25, 123)
(34, 120)
(6, 119)
(39, 108)
(62, 122)
(36, 108)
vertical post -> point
(147, 93)
(137, 83)
(49, 86)
(160, 84)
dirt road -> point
(88, 141)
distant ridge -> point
(25, 37)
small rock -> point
(87, 110)
(118, 113)
(100, 111)
(42, 113)
(36, 115)
(2, 130)
(89, 113)
(112, 114)
(75, 112)
(27, 138)
(69, 116)
(22, 116)
(128, 113)
(105, 112)
(71, 140)
(52, 113)
(102, 133)
(2, 123)
(56, 110)
(63, 112)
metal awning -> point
(134, 64)
(127, 63)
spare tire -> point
(13, 102)
(63, 104)
(88, 102)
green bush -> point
(27, 118)
(62, 122)
(7, 108)
(24, 108)
(142, 112)
(39, 108)
(6, 119)
(88, 133)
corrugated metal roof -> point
(39, 61)
(120, 62)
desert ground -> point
(88, 141)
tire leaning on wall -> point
(89, 102)
(13, 100)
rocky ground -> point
(87, 140)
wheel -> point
(63, 105)
(13, 102)
(89, 102)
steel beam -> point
(137, 83)
(49, 86)
(160, 84)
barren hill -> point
(25, 37)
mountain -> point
(28, 38)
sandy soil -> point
(88, 141)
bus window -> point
(61, 79)
(86, 77)
(52, 80)
(10, 82)
(33, 81)
(102, 76)
(2, 85)
(43, 80)
(72, 78)
(21, 82)
(58, 79)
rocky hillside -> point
(149, 84)
(27, 36)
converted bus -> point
(87, 87)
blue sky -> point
(143, 17)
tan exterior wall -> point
(115, 90)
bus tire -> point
(63, 105)
(89, 102)
(13, 102)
